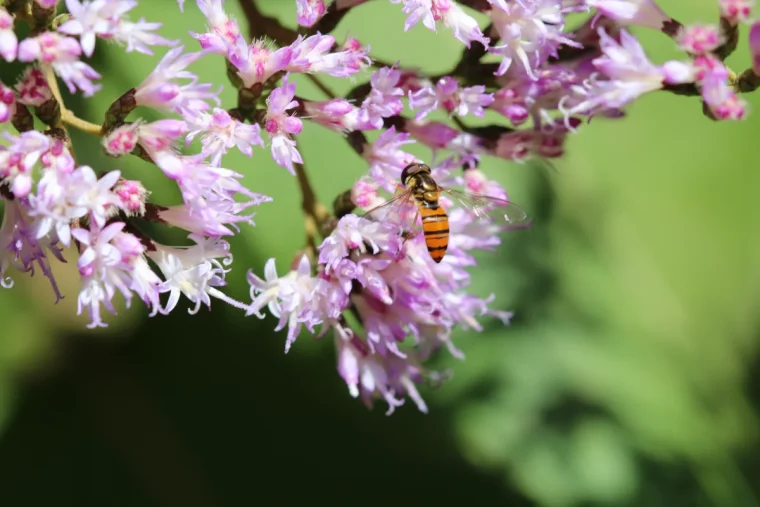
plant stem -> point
(260, 25)
(80, 124)
(314, 212)
(319, 84)
(52, 82)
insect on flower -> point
(416, 207)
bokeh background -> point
(629, 376)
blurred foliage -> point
(630, 375)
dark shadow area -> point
(190, 414)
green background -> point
(629, 376)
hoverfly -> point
(418, 196)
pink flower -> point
(754, 46)
(63, 54)
(372, 376)
(464, 27)
(112, 260)
(93, 194)
(158, 138)
(7, 103)
(194, 272)
(122, 140)
(131, 196)
(219, 131)
(383, 100)
(632, 12)
(108, 19)
(448, 96)
(336, 114)
(257, 63)
(364, 194)
(529, 31)
(280, 126)
(19, 159)
(699, 39)
(19, 247)
(629, 74)
(723, 102)
(32, 87)
(8, 40)
(313, 55)
(160, 90)
(91, 19)
(736, 11)
(296, 299)
(387, 160)
(308, 12)
(224, 33)
(435, 134)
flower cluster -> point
(388, 302)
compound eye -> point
(408, 171)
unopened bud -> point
(132, 196)
(122, 140)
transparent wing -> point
(400, 210)
(484, 207)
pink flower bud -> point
(132, 196)
(308, 12)
(122, 140)
(7, 103)
(32, 88)
(699, 39)
(8, 40)
(735, 11)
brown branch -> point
(260, 26)
(748, 81)
(315, 214)
(686, 89)
(319, 84)
(730, 34)
(330, 20)
(478, 5)
(471, 56)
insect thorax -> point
(413, 170)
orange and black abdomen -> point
(435, 224)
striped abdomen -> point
(435, 223)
